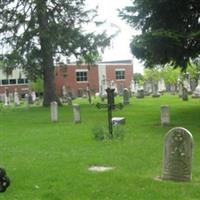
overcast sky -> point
(119, 49)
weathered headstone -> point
(54, 111)
(118, 120)
(77, 114)
(165, 115)
(177, 163)
(16, 98)
(33, 96)
(196, 93)
(140, 93)
(184, 94)
(6, 97)
(155, 90)
(126, 96)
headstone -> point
(77, 114)
(54, 111)
(155, 90)
(140, 94)
(165, 115)
(126, 96)
(161, 86)
(184, 94)
(177, 163)
(186, 82)
(6, 97)
(118, 120)
(16, 98)
(196, 93)
(132, 86)
(33, 96)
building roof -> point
(117, 62)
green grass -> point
(49, 161)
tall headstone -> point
(177, 162)
(126, 96)
(54, 111)
(165, 115)
(6, 97)
(16, 97)
(33, 96)
(155, 90)
(77, 114)
(184, 94)
(196, 93)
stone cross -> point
(165, 115)
(77, 115)
(177, 163)
(110, 105)
(54, 111)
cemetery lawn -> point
(50, 161)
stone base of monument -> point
(98, 168)
(155, 95)
(118, 120)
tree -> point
(36, 33)
(170, 30)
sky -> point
(119, 49)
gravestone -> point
(54, 111)
(6, 97)
(165, 115)
(77, 114)
(140, 93)
(177, 163)
(184, 94)
(155, 90)
(118, 120)
(16, 97)
(196, 93)
(126, 95)
(33, 96)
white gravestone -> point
(16, 98)
(165, 115)
(54, 111)
(196, 93)
(178, 148)
(77, 114)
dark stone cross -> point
(111, 106)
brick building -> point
(16, 80)
(76, 78)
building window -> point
(120, 74)
(20, 81)
(12, 81)
(5, 82)
(81, 76)
(26, 80)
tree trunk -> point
(46, 54)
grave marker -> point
(177, 163)
(110, 105)
(54, 111)
(77, 115)
(165, 115)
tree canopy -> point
(170, 30)
(36, 33)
